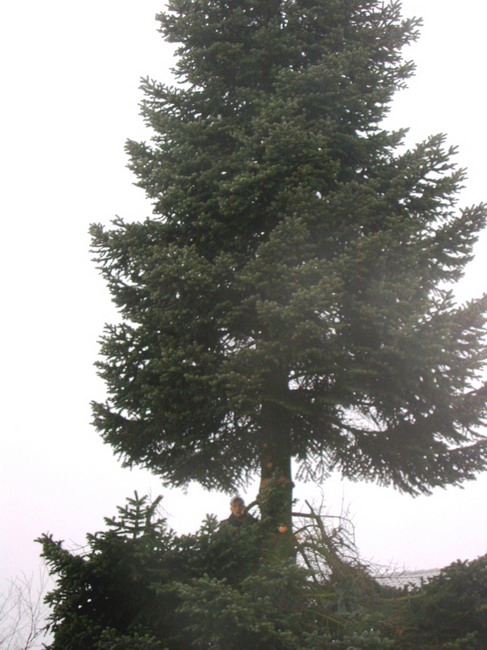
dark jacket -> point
(243, 521)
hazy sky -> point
(69, 81)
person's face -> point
(237, 509)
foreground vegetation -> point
(139, 585)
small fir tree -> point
(289, 298)
(103, 595)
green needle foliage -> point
(289, 296)
(138, 586)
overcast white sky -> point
(69, 82)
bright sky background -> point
(69, 81)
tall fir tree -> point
(289, 297)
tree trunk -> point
(275, 495)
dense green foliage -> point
(139, 586)
(288, 297)
(138, 583)
(451, 610)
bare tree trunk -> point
(276, 486)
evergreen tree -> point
(137, 585)
(104, 595)
(449, 610)
(289, 297)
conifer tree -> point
(289, 298)
(136, 585)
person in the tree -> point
(239, 515)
